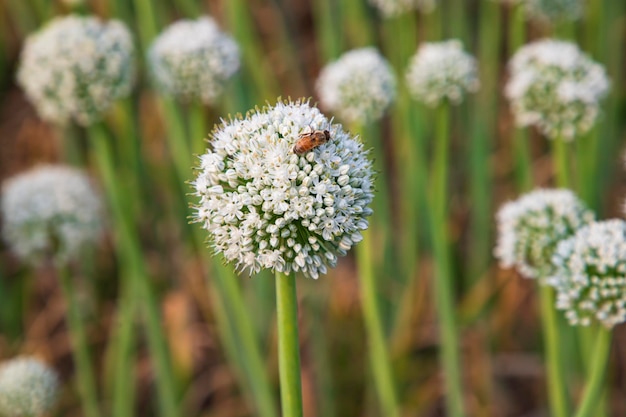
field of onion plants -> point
(321, 208)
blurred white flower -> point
(394, 8)
(358, 87)
(28, 388)
(441, 71)
(50, 211)
(266, 207)
(193, 60)
(550, 10)
(590, 274)
(556, 87)
(530, 228)
(75, 67)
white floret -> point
(358, 87)
(193, 60)
(28, 387)
(268, 208)
(530, 228)
(556, 87)
(74, 68)
(590, 274)
(50, 211)
(441, 71)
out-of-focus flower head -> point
(590, 274)
(193, 60)
(267, 207)
(394, 8)
(530, 228)
(556, 87)
(75, 67)
(28, 387)
(358, 87)
(50, 211)
(441, 71)
(551, 10)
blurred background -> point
(284, 44)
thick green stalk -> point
(443, 281)
(197, 128)
(328, 29)
(250, 355)
(288, 345)
(122, 403)
(130, 252)
(87, 386)
(523, 162)
(242, 26)
(241, 346)
(378, 351)
(484, 124)
(595, 382)
(357, 25)
(561, 162)
(235, 324)
(147, 21)
(557, 393)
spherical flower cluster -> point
(358, 87)
(76, 67)
(193, 60)
(440, 71)
(590, 274)
(267, 207)
(50, 211)
(27, 388)
(556, 87)
(394, 8)
(549, 10)
(530, 228)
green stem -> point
(483, 132)
(328, 28)
(250, 357)
(177, 138)
(130, 253)
(521, 148)
(288, 345)
(147, 21)
(378, 352)
(595, 384)
(554, 356)
(197, 128)
(443, 285)
(242, 26)
(235, 323)
(561, 164)
(124, 375)
(84, 371)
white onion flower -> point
(394, 8)
(556, 87)
(75, 67)
(550, 10)
(441, 71)
(590, 274)
(193, 60)
(530, 228)
(268, 208)
(358, 87)
(28, 388)
(50, 211)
